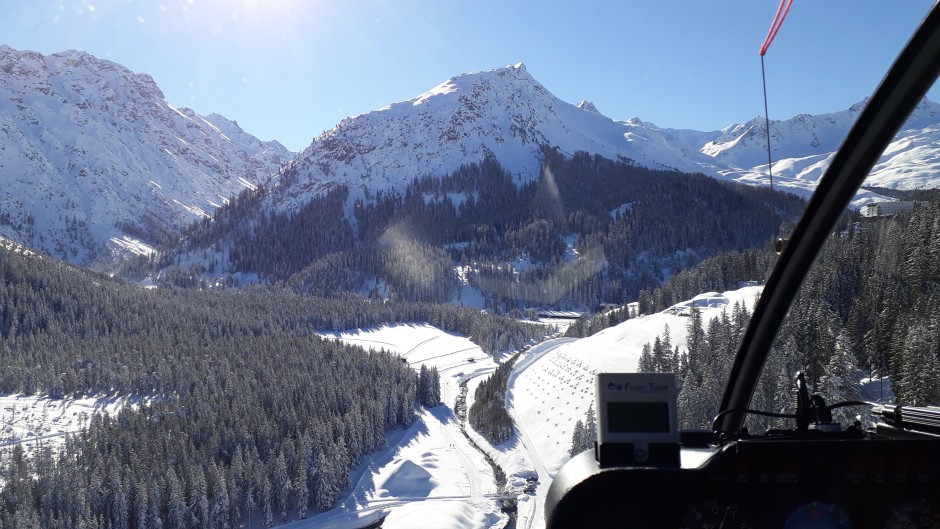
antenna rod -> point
(770, 172)
(781, 14)
(770, 164)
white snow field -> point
(430, 476)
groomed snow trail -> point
(535, 517)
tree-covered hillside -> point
(590, 230)
(243, 408)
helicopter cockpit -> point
(815, 472)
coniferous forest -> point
(241, 408)
(488, 414)
(590, 230)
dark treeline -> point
(429, 386)
(725, 271)
(905, 194)
(279, 245)
(874, 297)
(590, 230)
(242, 408)
(488, 415)
(589, 324)
(867, 308)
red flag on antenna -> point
(775, 27)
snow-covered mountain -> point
(94, 160)
(503, 113)
(507, 114)
(803, 147)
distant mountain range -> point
(96, 163)
(507, 114)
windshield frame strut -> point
(901, 90)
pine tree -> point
(281, 486)
(434, 393)
(198, 498)
(585, 433)
(325, 486)
(920, 369)
(840, 382)
(590, 426)
(659, 356)
(118, 501)
(695, 340)
(267, 503)
(142, 505)
(176, 504)
(219, 509)
(577, 439)
(645, 364)
(302, 497)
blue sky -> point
(291, 69)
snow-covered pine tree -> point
(840, 381)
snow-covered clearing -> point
(430, 476)
(552, 387)
(561, 384)
(455, 357)
(34, 421)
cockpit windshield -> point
(395, 304)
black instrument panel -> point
(760, 484)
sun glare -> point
(252, 14)
(265, 10)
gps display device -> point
(637, 423)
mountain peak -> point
(925, 109)
(858, 107)
(505, 114)
(587, 105)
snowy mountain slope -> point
(561, 384)
(802, 136)
(550, 393)
(803, 146)
(93, 157)
(504, 113)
